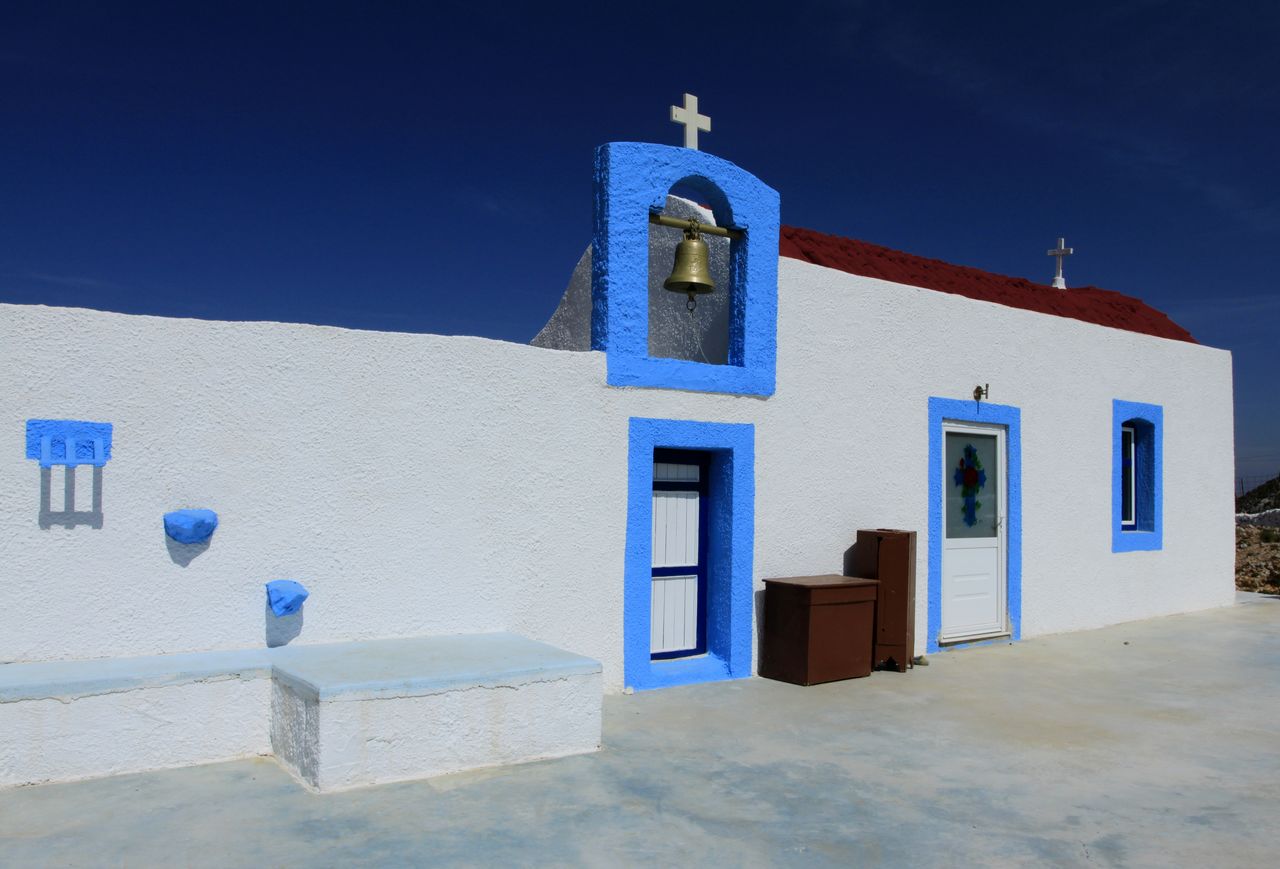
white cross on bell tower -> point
(693, 122)
(1061, 251)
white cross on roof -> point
(1061, 251)
(693, 122)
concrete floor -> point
(1148, 744)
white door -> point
(974, 603)
(677, 559)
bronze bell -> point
(691, 272)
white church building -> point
(589, 514)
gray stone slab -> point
(66, 679)
(358, 670)
(425, 665)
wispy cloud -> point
(501, 205)
(75, 281)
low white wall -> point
(420, 484)
(70, 738)
(1265, 519)
(415, 484)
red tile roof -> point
(1090, 304)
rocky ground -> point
(1258, 559)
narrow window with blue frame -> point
(678, 597)
(1137, 481)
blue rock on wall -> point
(190, 526)
(285, 596)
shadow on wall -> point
(850, 560)
(281, 629)
(184, 553)
(69, 516)
(759, 614)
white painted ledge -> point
(67, 680)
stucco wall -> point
(878, 350)
(420, 484)
(68, 738)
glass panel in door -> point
(972, 503)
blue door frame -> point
(956, 410)
(730, 528)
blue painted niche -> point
(190, 526)
(730, 551)
(632, 179)
(285, 596)
(69, 442)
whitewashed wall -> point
(420, 484)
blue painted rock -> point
(285, 596)
(190, 526)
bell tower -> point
(632, 180)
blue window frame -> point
(1137, 477)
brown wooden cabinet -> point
(889, 556)
(818, 628)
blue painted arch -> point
(730, 544)
(632, 179)
(956, 410)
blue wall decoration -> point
(69, 442)
(285, 596)
(632, 179)
(1148, 428)
(731, 536)
(995, 414)
(190, 526)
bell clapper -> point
(694, 331)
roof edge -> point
(1088, 304)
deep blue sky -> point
(427, 167)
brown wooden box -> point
(818, 628)
(890, 556)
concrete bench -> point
(389, 710)
(336, 715)
(67, 720)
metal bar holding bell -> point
(704, 229)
